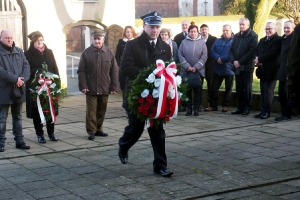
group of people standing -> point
(198, 52)
(16, 69)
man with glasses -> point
(267, 56)
(97, 78)
(14, 72)
(138, 54)
(241, 55)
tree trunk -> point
(260, 10)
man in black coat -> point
(267, 62)
(242, 56)
(181, 36)
(209, 41)
(138, 54)
(293, 70)
(286, 109)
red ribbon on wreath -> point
(45, 82)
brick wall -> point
(168, 8)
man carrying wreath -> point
(138, 54)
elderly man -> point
(241, 55)
(181, 36)
(14, 72)
(293, 70)
(286, 109)
(222, 70)
(267, 62)
(138, 54)
(97, 78)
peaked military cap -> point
(98, 32)
(153, 18)
(34, 35)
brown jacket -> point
(98, 71)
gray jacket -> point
(13, 64)
(192, 52)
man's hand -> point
(236, 64)
(219, 61)
(20, 82)
(114, 92)
(84, 91)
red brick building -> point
(168, 8)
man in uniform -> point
(138, 54)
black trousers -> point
(216, 84)
(209, 90)
(283, 97)
(195, 104)
(38, 126)
(266, 94)
(134, 131)
(244, 90)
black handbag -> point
(17, 93)
(260, 72)
(193, 80)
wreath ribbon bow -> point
(167, 82)
(45, 82)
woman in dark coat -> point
(128, 34)
(37, 55)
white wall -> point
(185, 8)
(205, 8)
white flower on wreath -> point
(145, 93)
(155, 93)
(55, 76)
(157, 82)
(178, 80)
(53, 85)
(179, 95)
(150, 78)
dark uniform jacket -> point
(13, 64)
(98, 71)
(209, 62)
(138, 55)
(243, 48)
(268, 52)
(36, 59)
(293, 63)
(285, 47)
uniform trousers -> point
(266, 94)
(157, 135)
(96, 106)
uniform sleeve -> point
(128, 66)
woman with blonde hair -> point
(128, 34)
(165, 35)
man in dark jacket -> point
(138, 54)
(209, 41)
(181, 36)
(267, 62)
(14, 72)
(97, 78)
(286, 109)
(242, 56)
(293, 70)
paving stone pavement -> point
(213, 156)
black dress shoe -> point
(41, 139)
(188, 112)
(257, 115)
(236, 112)
(22, 146)
(164, 172)
(1, 149)
(246, 112)
(52, 137)
(123, 157)
(196, 112)
(265, 116)
(101, 134)
(91, 136)
(281, 118)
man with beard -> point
(138, 54)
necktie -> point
(153, 45)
